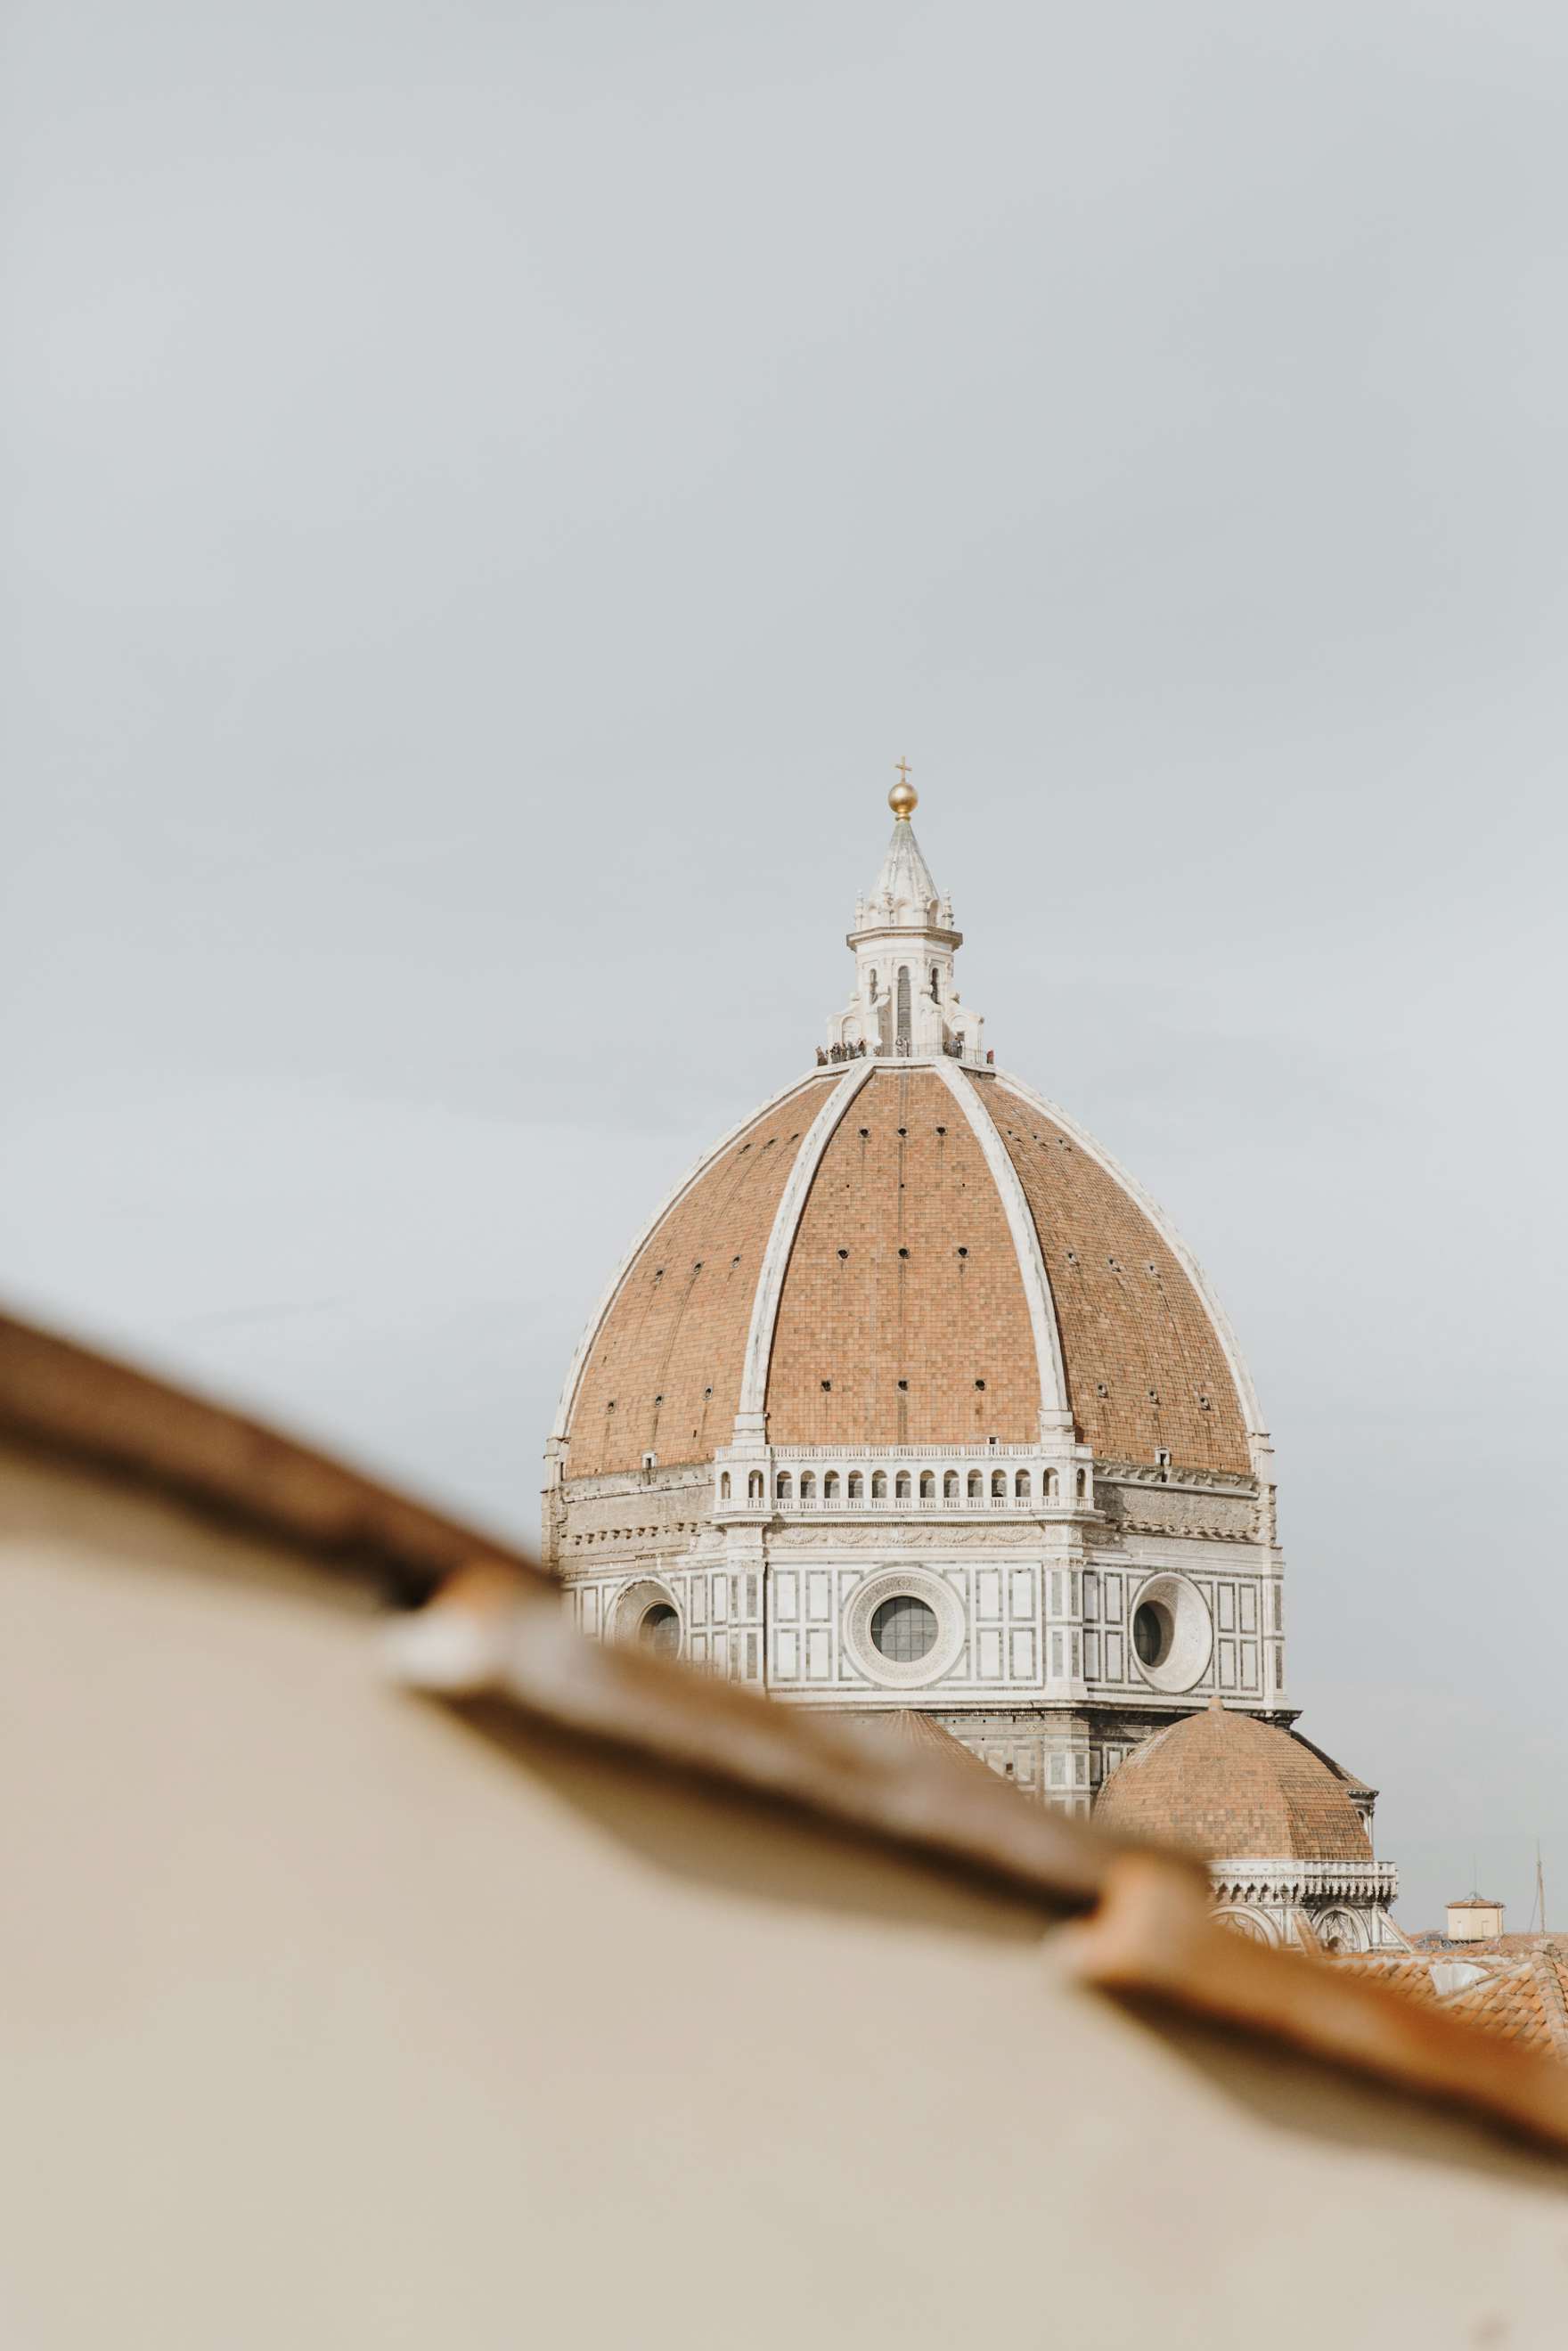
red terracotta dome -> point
(1230, 1787)
(915, 1254)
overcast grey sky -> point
(493, 491)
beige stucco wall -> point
(1474, 1922)
(331, 2019)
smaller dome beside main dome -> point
(1229, 1787)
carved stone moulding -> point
(1016, 1543)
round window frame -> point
(633, 1603)
(903, 1583)
(1192, 1638)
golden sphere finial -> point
(903, 798)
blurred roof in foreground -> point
(595, 2001)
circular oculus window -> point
(1173, 1636)
(903, 1630)
(904, 1627)
(644, 1613)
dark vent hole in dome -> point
(904, 1253)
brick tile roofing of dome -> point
(903, 1270)
(908, 1248)
(664, 1371)
(1146, 1369)
(1232, 1788)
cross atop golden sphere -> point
(903, 798)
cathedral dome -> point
(909, 1394)
(908, 1246)
(901, 1253)
(1230, 1787)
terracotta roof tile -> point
(1411, 1977)
(1527, 2002)
(910, 1725)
